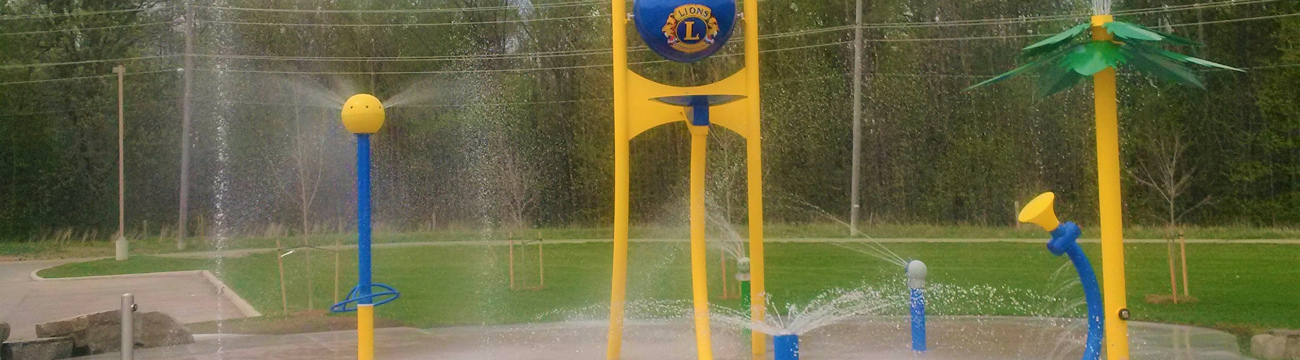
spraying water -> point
(828, 308)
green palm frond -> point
(1094, 57)
(1057, 80)
(1162, 67)
(1049, 59)
(1054, 42)
(1130, 31)
(1185, 58)
(1066, 58)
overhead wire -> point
(405, 11)
(602, 51)
(126, 104)
(81, 77)
(1267, 17)
(84, 13)
(404, 25)
(83, 62)
(589, 52)
(77, 29)
(1007, 21)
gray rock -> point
(39, 349)
(102, 332)
(1276, 345)
(155, 329)
(77, 323)
(1258, 344)
(4, 332)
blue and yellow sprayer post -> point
(916, 271)
(363, 115)
(686, 31)
(1065, 238)
(743, 277)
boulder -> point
(1276, 345)
(39, 349)
(1291, 348)
(102, 332)
(155, 329)
(4, 332)
(77, 323)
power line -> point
(1008, 21)
(508, 70)
(85, 13)
(84, 29)
(37, 65)
(402, 11)
(1277, 16)
(386, 25)
(128, 104)
(428, 72)
(80, 78)
(589, 52)
(527, 55)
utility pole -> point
(121, 244)
(856, 178)
(182, 222)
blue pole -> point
(363, 218)
(918, 320)
(785, 347)
(1065, 241)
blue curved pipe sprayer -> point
(1065, 240)
(916, 271)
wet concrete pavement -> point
(956, 338)
(26, 301)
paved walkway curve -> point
(25, 300)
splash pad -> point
(883, 338)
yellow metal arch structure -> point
(647, 113)
(636, 109)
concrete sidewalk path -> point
(25, 301)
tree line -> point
(499, 115)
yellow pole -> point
(618, 288)
(1108, 188)
(365, 332)
(754, 173)
(699, 259)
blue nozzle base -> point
(786, 347)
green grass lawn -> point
(155, 245)
(1241, 287)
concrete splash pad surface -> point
(952, 338)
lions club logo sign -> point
(691, 28)
(684, 30)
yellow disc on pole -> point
(363, 114)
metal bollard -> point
(128, 326)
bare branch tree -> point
(1161, 172)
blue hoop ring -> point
(354, 298)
